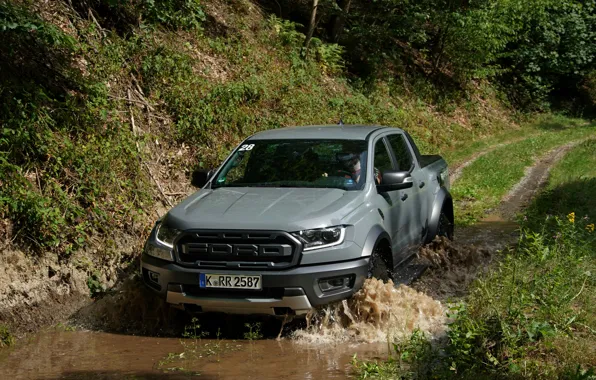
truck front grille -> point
(238, 249)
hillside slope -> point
(106, 108)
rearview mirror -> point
(395, 180)
(200, 177)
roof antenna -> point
(341, 122)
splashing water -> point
(378, 312)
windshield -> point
(337, 164)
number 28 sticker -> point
(246, 147)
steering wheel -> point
(345, 173)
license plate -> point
(229, 281)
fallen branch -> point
(158, 185)
(132, 101)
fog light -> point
(153, 277)
(336, 283)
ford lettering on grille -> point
(237, 249)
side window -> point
(382, 161)
(401, 151)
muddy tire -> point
(377, 266)
(445, 227)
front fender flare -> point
(375, 235)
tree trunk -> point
(311, 26)
(339, 20)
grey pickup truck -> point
(296, 218)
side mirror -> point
(200, 177)
(395, 180)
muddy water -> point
(93, 355)
(322, 348)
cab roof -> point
(337, 132)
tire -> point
(445, 227)
(377, 266)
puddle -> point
(93, 355)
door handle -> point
(422, 184)
(404, 197)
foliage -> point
(124, 16)
(410, 359)
(254, 331)
(537, 51)
(94, 284)
(549, 50)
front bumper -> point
(293, 291)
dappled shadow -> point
(578, 196)
(35, 61)
(559, 124)
(121, 17)
(213, 28)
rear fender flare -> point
(443, 199)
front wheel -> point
(445, 226)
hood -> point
(288, 209)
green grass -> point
(484, 183)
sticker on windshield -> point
(246, 147)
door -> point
(417, 206)
(393, 205)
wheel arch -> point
(443, 201)
(376, 238)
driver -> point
(351, 162)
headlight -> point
(321, 237)
(165, 235)
(159, 252)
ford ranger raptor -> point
(296, 218)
